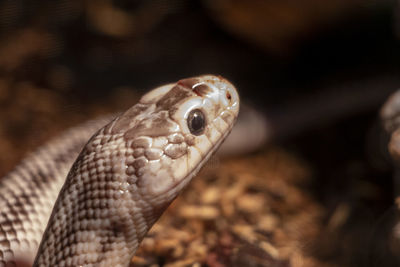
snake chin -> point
(123, 179)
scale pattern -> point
(28, 193)
(124, 178)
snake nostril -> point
(228, 95)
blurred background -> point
(318, 70)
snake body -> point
(123, 179)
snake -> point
(89, 196)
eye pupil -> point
(196, 122)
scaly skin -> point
(122, 181)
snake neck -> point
(101, 214)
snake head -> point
(132, 168)
(172, 132)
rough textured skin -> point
(28, 193)
(125, 177)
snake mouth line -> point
(183, 182)
(89, 194)
(179, 185)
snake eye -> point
(196, 122)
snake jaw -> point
(157, 155)
(177, 165)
